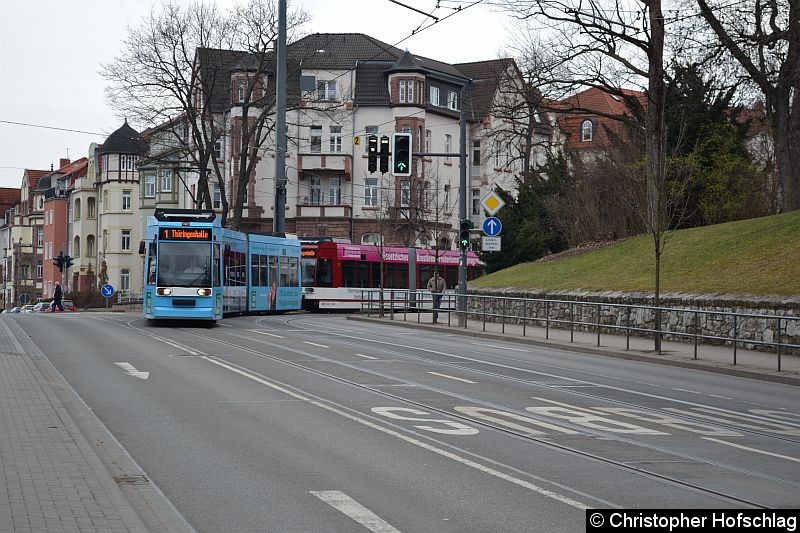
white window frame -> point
(448, 145)
(336, 140)
(433, 95)
(126, 200)
(125, 242)
(405, 193)
(587, 130)
(315, 138)
(166, 180)
(216, 197)
(476, 202)
(452, 100)
(326, 91)
(125, 280)
(149, 187)
(371, 192)
(446, 202)
(39, 237)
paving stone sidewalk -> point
(51, 478)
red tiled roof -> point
(33, 176)
(9, 195)
(75, 166)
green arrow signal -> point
(401, 166)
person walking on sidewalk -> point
(436, 285)
(57, 295)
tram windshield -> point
(184, 264)
(308, 267)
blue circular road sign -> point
(492, 226)
(107, 290)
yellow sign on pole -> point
(357, 140)
(492, 203)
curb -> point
(730, 370)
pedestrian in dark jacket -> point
(57, 295)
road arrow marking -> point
(128, 368)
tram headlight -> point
(163, 291)
(204, 292)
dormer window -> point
(586, 131)
(406, 95)
(240, 93)
(452, 100)
(326, 90)
(434, 95)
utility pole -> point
(280, 123)
(462, 214)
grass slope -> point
(759, 256)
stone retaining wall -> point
(685, 316)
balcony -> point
(329, 164)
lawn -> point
(759, 256)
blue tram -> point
(197, 270)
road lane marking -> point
(366, 356)
(131, 371)
(795, 459)
(348, 506)
(501, 347)
(315, 344)
(424, 445)
(451, 377)
(265, 333)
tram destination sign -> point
(184, 234)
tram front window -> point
(307, 269)
(184, 264)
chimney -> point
(63, 162)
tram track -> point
(563, 390)
(635, 469)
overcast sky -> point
(51, 51)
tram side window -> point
(376, 274)
(254, 274)
(284, 272)
(397, 276)
(324, 273)
(215, 272)
(273, 269)
(263, 270)
(363, 275)
(349, 274)
(425, 273)
(294, 276)
(235, 265)
(151, 263)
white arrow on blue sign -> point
(492, 226)
(107, 290)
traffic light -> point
(59, 262)
(463, 234)
(384, 154)
(67, 261)
(401, 154)
(372, 153)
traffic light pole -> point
(280, 123)
(461, 300)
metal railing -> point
(696, 326)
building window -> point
(90, 247)
(405, 193)
(434, 95)
(446, 202)
(428, 141)
(240, 91)
(336, 139)
(166, 180)
(316, 139)
(498, 157)
(39, 269)
(374, 239)
(39, 237)
(326, 90)
(92, 208)
(406, 95)
(216, 197)
(448, 145)
(76, 247)
(452, 100)
(149, 187)
(586, 131)
(126, 162)
(126, 200)
(125, 280)
(476, 202)
(426, 197)
(476, 152)
(335, 190)
(126, 240)
(317, 193)
(76, 211)
(218, 149)
(371, 191)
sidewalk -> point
(60, 469)
(720, 359)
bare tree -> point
(155, 81)
(609, 45)
(765, 41)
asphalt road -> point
(317, 423)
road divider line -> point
(756, 450)
(265, 333)
(451, 377)
(348, 506)
(431, 448)
(315, 344)
(366, 356)
(501, 347)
